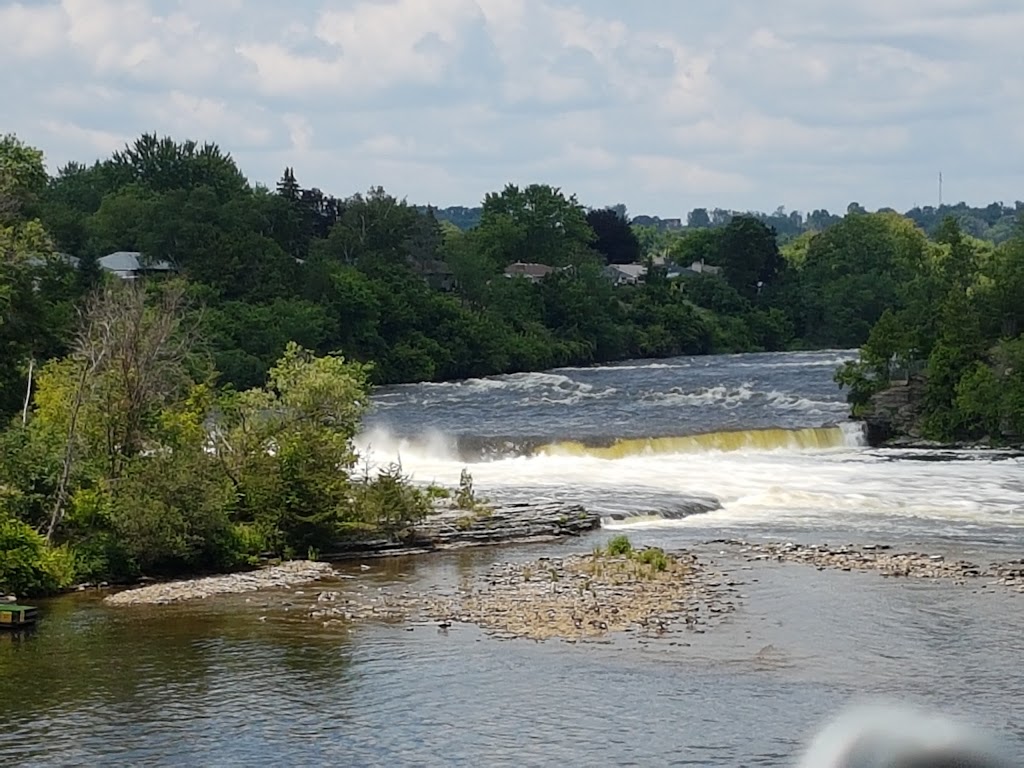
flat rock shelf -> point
(882, 559)
(453, 528)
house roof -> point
(630, 270)
(131, 261)
(528, 270)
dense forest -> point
(201, 413)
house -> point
(705, 269)
(130, 265)
(532, 272)
(695, 269)
(625, 274)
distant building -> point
(705, 269)
(532, 272)
(130, 265)
(625, 274)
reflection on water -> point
(232, 682)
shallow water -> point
(212, 684)
(248, 680)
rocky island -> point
(576, 598)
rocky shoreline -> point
(882, 559)
(449, 528)
(578, 598)
(283, 576)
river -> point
(673, 452)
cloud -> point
(662, 106)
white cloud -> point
(662, 106)
(300, 132)
(96, 140)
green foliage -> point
(955, 321)
(619, 545)
(654, 557)
(130, 458)
(389, 502)
(28, 565)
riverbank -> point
(449, 528)
(884, 560)
(283, 576)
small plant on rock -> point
(655, 557)
(619, 545)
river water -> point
(673, 452)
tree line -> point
(954, 322)
(199, 419)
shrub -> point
(389, 502)
(654, 557)
(28, 565)
(619, 545)
(465, 496)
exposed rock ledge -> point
(882, 559)
(452, 528)
(287, 574)
(578, 598)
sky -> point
(663, 105)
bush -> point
(389, 502)
(28, 565)
(619, 545)
(654, 557)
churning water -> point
(751, 445)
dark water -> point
(243, 681)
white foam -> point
(801, 487)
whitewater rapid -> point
(737, 445)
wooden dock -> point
(17, 616)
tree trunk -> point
(28, 391)
(69, 453)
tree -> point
(162, 165)
(22, 176)
(615, 239)
(698, 218)
(288, 187)
(536, 224)
(749, 255)
(300, 494)
(857, 269)
(131, 359)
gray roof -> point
(131, 261)
(630, 270)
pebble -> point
(880, 558)
(578, 598)
(288, 574)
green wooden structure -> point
(17, 616)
